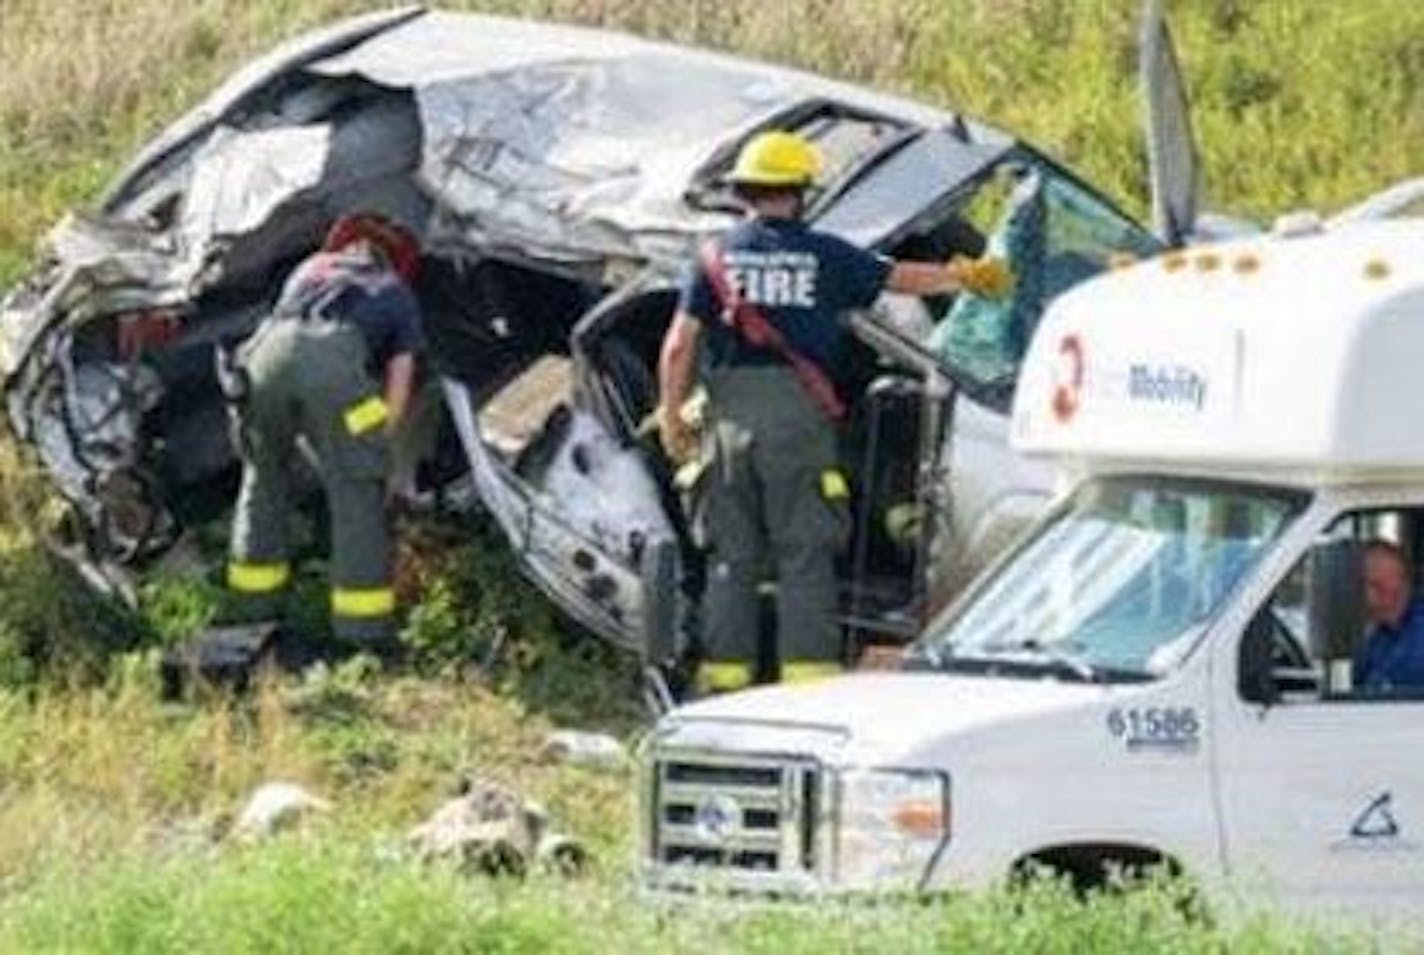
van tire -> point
(1108, 867)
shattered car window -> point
(1053, 234)
(847, 141)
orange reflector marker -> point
(1246, 264)
(1376, 269)
(922, 819)
(1121, 260)
(1208, 262)
(1174, 261)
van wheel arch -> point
(1096, 865)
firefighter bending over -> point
(334, 363)
(771, 299)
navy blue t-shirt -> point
(359, 289)
(1393, 657)
(802, 280)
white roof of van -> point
(1299, 354)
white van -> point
(1160, 670)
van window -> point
(1347, 622)
(1121, 583)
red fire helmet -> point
(395, 242)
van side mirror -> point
(1255, 681)
(1337, 606)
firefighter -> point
(333, 363)
(770, 300)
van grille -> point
(754, 816)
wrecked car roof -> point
(555, 142)
(568, 140)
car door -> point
(924, 201)
(569, 486)
(585, 521)
(1174, 169)
(1322, 790)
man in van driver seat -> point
(770, 300)
(1393, 654)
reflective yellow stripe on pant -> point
(805, 671)
(248, 577)
(723, 676)
(362, 602)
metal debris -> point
(490, 829)
(273, 807)
(581, 748)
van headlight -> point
(893, 823)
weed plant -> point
(1298, 102)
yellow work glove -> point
(902, 524)
(988, 276)
(678, 434)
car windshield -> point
(1118, 584)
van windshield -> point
(1118, 584)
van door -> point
(1322, 785)
(1174, 169)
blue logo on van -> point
(1172, 385)
(718, 818)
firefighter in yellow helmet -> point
(769, 301)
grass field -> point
(106, 797)
(1299, 102)
(110, 799)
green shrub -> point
(174, 608)
(331, 890)
(477, 615)
(53, 626)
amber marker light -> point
(921, 819)
(1174, 261)
(1376, 269)
(1208, 262)
(1246, 264)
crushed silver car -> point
(559, 181)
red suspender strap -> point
(753, 326)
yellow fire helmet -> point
(777, 158)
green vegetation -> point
(1298, 102)
(109, 800)
(387, 905)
